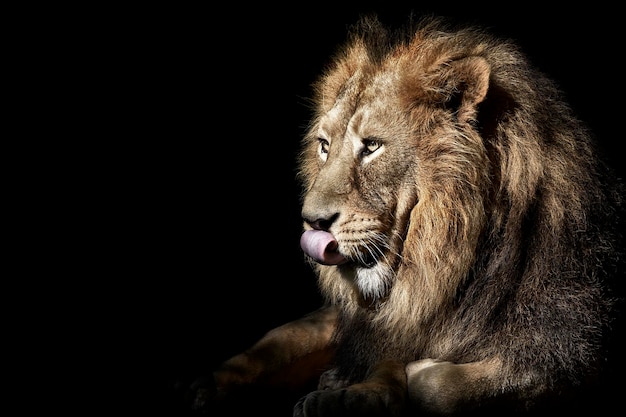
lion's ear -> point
(462, 84)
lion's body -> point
(476, 228)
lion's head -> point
(438, 165)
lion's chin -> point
(374, 281)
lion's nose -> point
(322, 223)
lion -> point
(464, 231)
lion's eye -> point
(370, 146)
(324, 146)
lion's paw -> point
(344, 402)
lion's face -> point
(364, 187)
(394, 170)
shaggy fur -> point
(480, 228)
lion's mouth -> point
(367, 261)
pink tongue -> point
(322, 247)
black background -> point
(210, 249)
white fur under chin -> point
(374, 282)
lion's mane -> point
(511, 235)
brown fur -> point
(481, 233)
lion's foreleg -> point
(444, 388)
(291, 355)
